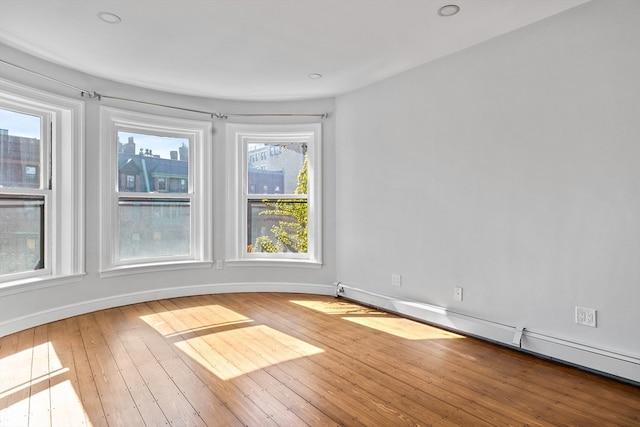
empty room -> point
(320, 213)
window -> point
(24, 148)
(162, 184)
(275, 211)
(31, 175)
(41, 175)
(131, 183)
(155, 204)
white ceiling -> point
(257, 49)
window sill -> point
(34, 283)
(256, 262)
(124, 270)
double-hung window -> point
(41, 176)
(25, 152)
(274, 210)
(155, 205)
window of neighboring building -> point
(281, 222)
(41, 211)
(131, 183)
(162, 184)
(159, 219)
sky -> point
(160, 145)
(19, 124)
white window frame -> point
(198, 133)
(62, 162)
(238, 137)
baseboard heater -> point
(602, 361)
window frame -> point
(112, 121)
(238, 136)
(61, 183)
(44, 184)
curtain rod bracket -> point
(93, 94)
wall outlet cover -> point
(396, 279)
(586, 316)
(457, 293)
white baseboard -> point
(592, 358)
(622, 366)
(10, 326)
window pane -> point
(150, 163)
(20, 148)
(277, 226)
(274, 168)
(154, 228)
(21, 234)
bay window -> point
(274, 211)
(155, 205)
(41, 179)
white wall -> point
(29, 305)
(510, 169)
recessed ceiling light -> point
(315, 76)
(449, 10)
(109, 18)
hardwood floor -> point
(286, 360)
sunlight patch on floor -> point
(193, 319)
(402, 328)
(34, 380)
(337, 307)
(6, 392)
(231, 353)
(15, 370)
(66, 407)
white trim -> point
(597, 359)
(199, 133)
(35, 283)
(603, 360)
(125, 270)
(238, 136)
(433, 314)
(288, 263)
(64, 214)
(34, 319)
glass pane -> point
(154, 228)
(20, 148)
(21, 234)
(150, 163)
(277, 168)
(277, 226)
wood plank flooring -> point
(261, 359)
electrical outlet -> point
(219, 264)
(457, 293)
(586, 316)
(396, 279)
